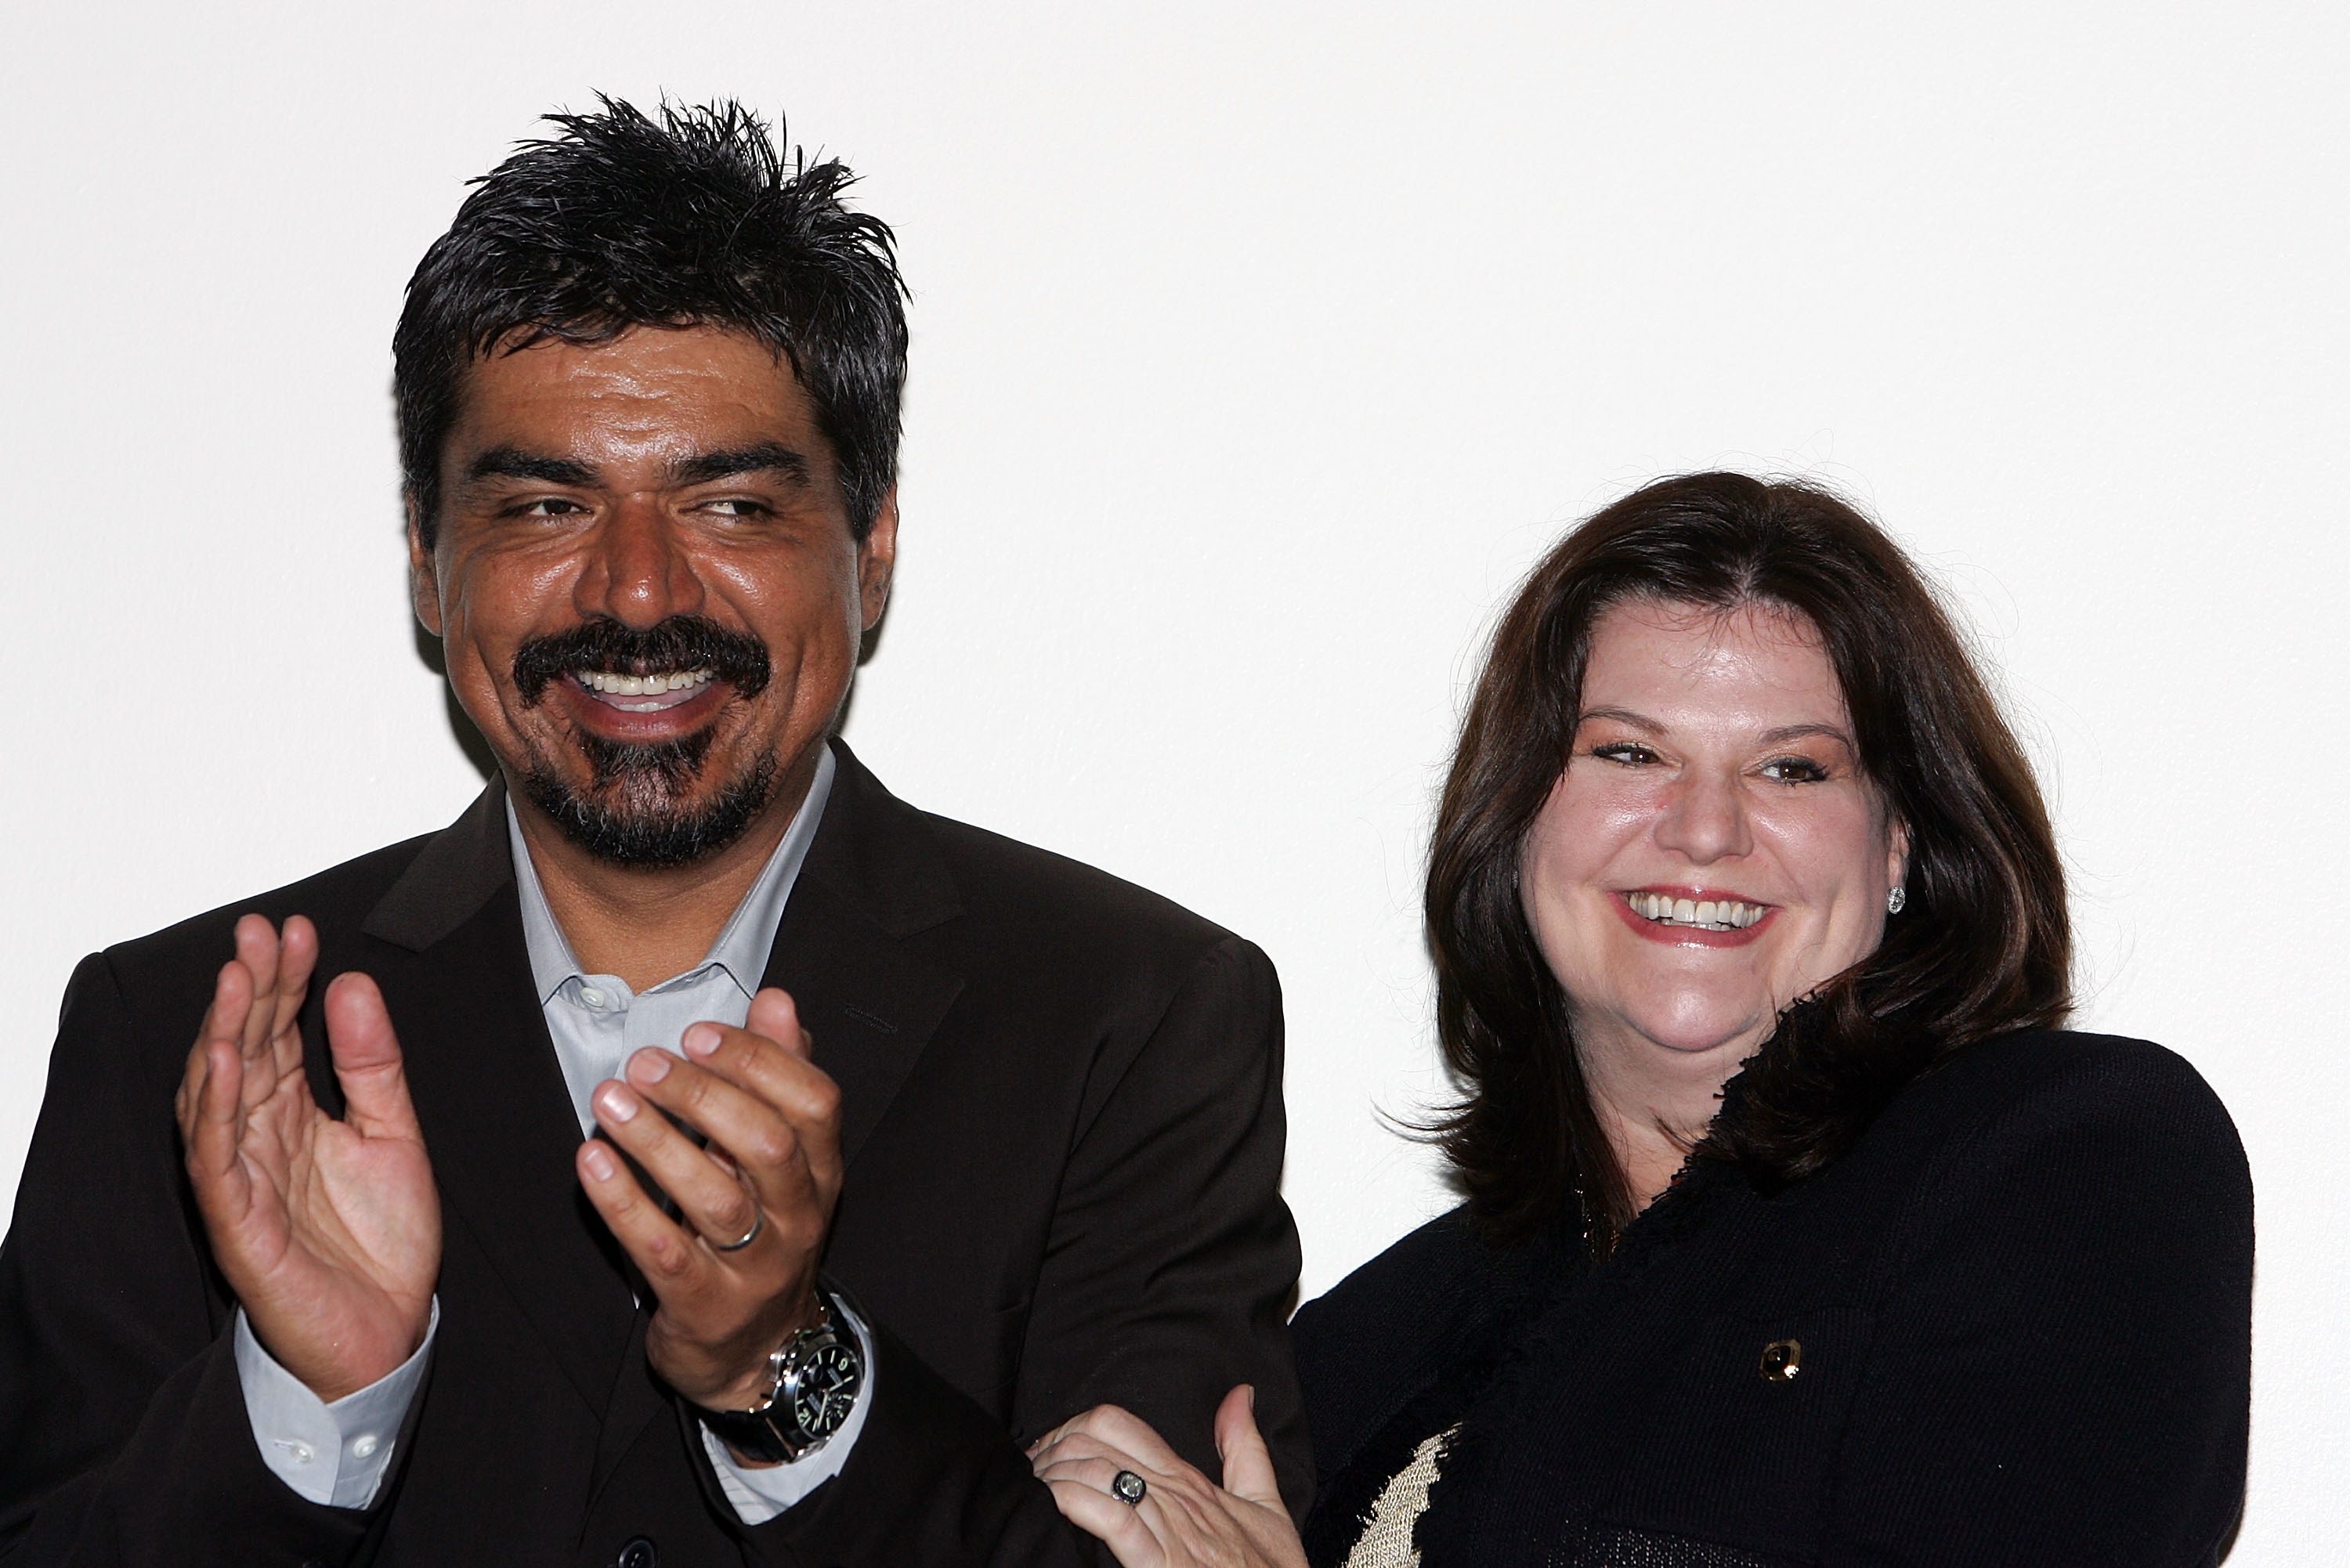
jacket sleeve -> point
(932, 1480)
(1172, 1267)
(125, 1439)
(1170, 1274)
(2061, 1371)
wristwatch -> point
(812, 1384)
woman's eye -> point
(1794, 770)
(1630, 753)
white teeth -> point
(1702, 914)
(615, 685)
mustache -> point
(680, 642)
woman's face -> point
(1712, 852)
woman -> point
(1796, 1232)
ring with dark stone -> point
(1127, 1488)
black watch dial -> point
(829, 1380)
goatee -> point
(635, 810)
(631, 814)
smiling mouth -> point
(650, 694)
(1696, 913)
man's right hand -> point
(329, 1232)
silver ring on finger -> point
(758, 1223)
(1127, 1488)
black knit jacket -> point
(2018, 1314)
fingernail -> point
(599, 1162)
(617, 1102)
(1252, 1396)
(702, 1040)
(648, 1066)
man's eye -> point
(549, 506)
(1628, 752)
(738, 506)
(1795, 769)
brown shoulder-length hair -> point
(1982, 947)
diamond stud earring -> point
(1895, 900)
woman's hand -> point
(1182, 1520)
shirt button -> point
(300, 1453)
(591, 996)
(363, 1446)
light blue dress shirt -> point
(339, 1454)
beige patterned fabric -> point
(1387, 1542)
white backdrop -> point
(1258, 349)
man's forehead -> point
(654, 396)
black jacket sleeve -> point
(1173, 1263)
(2061, 1369)
(1169, 1279)
(932, 1480)
(123, 1434)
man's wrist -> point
(752, 1386)
(807, 1389)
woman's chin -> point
(1706, 1036)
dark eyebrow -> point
(1622, 716)
(510, 462)
(767, 457)
(1778, 737)
(1782, 735)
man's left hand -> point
(773, 1166)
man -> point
(698, 1155)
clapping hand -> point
(1179, 1518)
(735, 1270)
(329, 1232)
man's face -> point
(646, 585)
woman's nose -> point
(1705, 820)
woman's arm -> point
(2061, 1371)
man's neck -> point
(645, 924)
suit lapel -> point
(496, 1116)
(873, 877)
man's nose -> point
(638, 571)
(1705, 820)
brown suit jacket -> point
(1063, 1125)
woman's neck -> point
(1655, 1103)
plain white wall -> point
(1258, 348)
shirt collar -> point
(740, 949)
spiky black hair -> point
(695, 220)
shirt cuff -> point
(760, 1494)
(333, 1454)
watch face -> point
(828, 1390)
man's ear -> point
(877, 560)
(424, 578)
